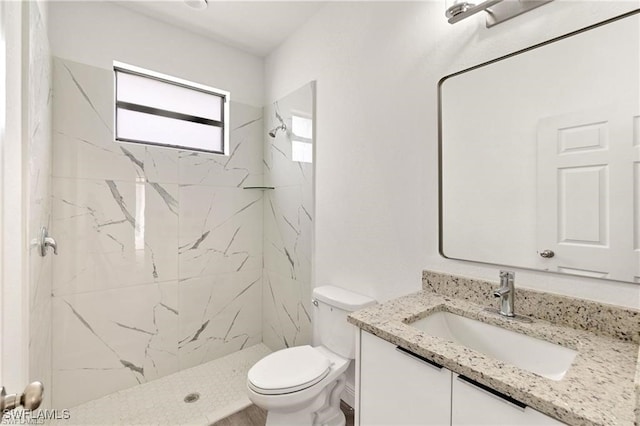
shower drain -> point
(192, 397)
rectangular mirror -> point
(540, 156)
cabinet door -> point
(475, 405)
(399, 388)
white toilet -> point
(302, 385)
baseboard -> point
(349, 395)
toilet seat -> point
(288, 370)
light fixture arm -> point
(462, 10)
(497, 10)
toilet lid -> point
(288, 370)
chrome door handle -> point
(547, 254)
(46, 241)
(30, 399)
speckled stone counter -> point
(599, 318)
(602, 387)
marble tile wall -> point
(160, 264)
(39, 108)
(288, 226)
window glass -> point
(156, 109)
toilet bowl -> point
(299, 383)
(302, 385)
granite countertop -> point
(598, 389)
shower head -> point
(282, 126)
(274, 131)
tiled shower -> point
(168, 258)
(288, 229)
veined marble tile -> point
(280, 169)
(160, 164)
(128, 218)
(219, 314)
(110, 340)
(113, 234)
(84, 145)
(40, 334)
(243, 165)
(39, 108)
(286, 311)
(288, 227)
(220, 230)
(39, 123)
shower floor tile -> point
(220, 384)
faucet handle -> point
(507, 274)
(506, 293)
(506, 284)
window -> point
(302, 140)
(156, 109)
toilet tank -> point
(332, 305)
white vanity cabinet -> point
(400, 388)
(476, 405)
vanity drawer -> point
(474, 405)
(400, 388)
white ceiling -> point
(256, 27)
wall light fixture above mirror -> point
(497, 10)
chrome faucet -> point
(506, 293)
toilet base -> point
(338, 419)
(305, 418)
(289, 419)
(323, 411)
(331, 414)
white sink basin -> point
(529, 353)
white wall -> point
(98, 32)
(377, 66)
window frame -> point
(120, 67)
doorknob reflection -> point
(547, 254)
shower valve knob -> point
(46, 241)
